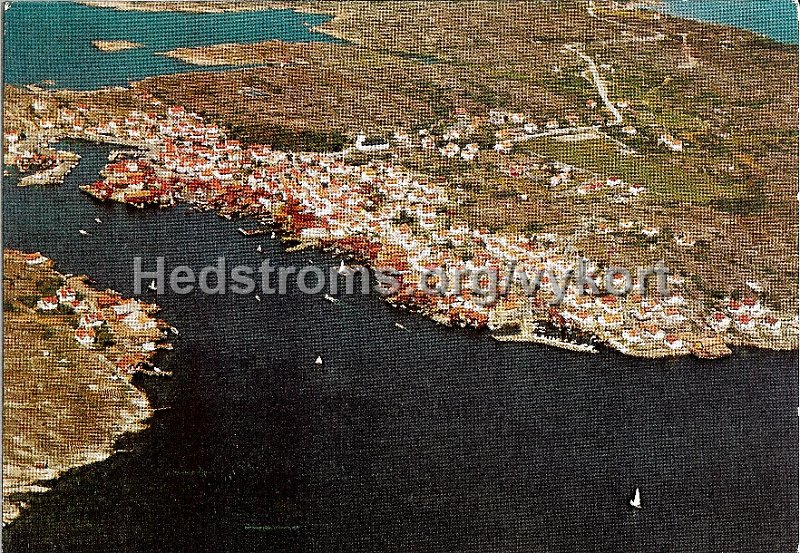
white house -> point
(85, 336)
(673, 342)
(65, 294)
(139, 321)
(47, 304)
(719, 321)
(672, 143)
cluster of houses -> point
(128, 319)
(613, 184)
(628, 227)
(747, 315)
(388, 217)
(460, 136)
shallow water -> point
(52, 41)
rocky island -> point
(115, 45)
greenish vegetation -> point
(287, 139)
(64, 309)
(48, 286)
(663, 180)
(104, 337)
(28, 301)
(743, 205)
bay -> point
(428, 440)
(52, 41)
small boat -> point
(240, 229)
(83, 232)
(258, 248)
(401, 327)
(258, 298)
(343, 268)
(636, 502)
(174, 330)
(97, 220)
(318, 361)
(332, 299)
(153, 286)
(156, 369)
(272, 236)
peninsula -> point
(615, 135)
(69, 354)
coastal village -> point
(482, 156)
(80, 343)
(362, 205)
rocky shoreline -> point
(70, 353)
(292, 191)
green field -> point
(661, 174)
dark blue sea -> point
(427, 440)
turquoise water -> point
(776, 19)
(52, 40)
(427, 440)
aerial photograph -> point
(419, 276)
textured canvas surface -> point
(400, 276)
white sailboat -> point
(272, 236)
(636, 502)
(401, 327)
(83, 232)
(258, 248)
(332, 299)
(153, 286)
(97, 220)
(318, 361)
(342, 268)
(258, 298)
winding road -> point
(602, 90)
